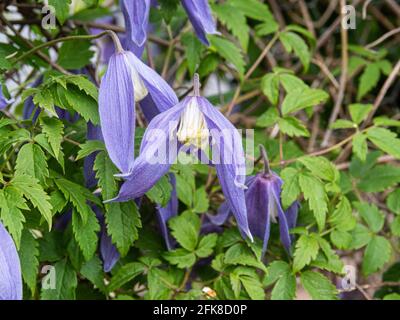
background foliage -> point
(322, 100)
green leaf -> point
(105, 171)
(275, 270)
(359, 111)
(61, 9)
(65, 282)
(185, 228)
(34, 192)
(384, 121)
(392, 296)
(314, 193)
(229, 52)
(68, 57)
(235, 21)
(181, 258)
(380, 178)
(376, 254)
(93, 271)
(54, 130)
(270, 87)
(123, 223)
(360, 146)
(318, 286)
(160, 193)
(77, 195)
(42, 140)
(241, 254)
(285, 288)
(82, 103)
(31, 161)
(253, 9)
(307, 248)
(361, 236)
(44, 99)
(89, 147)
(321, 168)
(395, 226)
(303, 98)
(385, 140)
(253, 287)
(268, 118)
(343, 124)
(293, 127)
(184, 190)
(371, 215)
(341, 239)
(200, 200)
(291, 186)
(125, 274)
(342, 217)
(28, 254)
(11, 203)
(292, 41)
(393, 201)
(86, 233)
(84, 84)
(290, 82)
(206, 245)
(368, 80)
(193, 51)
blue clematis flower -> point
(192, 123)
(10, 268)
(136, 15)
(264, 206)
(128, 80)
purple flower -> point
(128, 80)
(199, 14)
(136, 15)
(263, 202)
(10, 268)
(4, 102)
(192, 123)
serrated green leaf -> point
(31, 161)
(359, 111)
(28, 254)
(185, 229)
(307, 248)
(314, 193)
(181, 258)
(61, 9)
(368, 80)
(292, 127)
(227, 50)
(268, 118)
(291, 187)
(376, 254)
(318, 286)
(125, 274)
(385, 140)
(285, 288)
(160, 193)
(54, 130)
(342, 217)
(193, 51)
(321, 167)
(360, 146)
(93, 271)
(65, 282)
(292, 41)
(68, 57)
(361, 236)
(371, 215)
(303, 98)
(393, 201)
(380, 178)
(89, 147)
(206, 245)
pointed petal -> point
(283, 223)
(231, 170)
(199, 14)
(291, 214)
(167, 212)
(136, 14)
(157, 152)
(222, 215)
(160, 91)
(108, 251)
(149, 108)
(117, 112)
(10, 268)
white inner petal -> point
(138, 85)
(193, 127)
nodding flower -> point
(10, 268)
(136, 14)
(191, 123)
(127, 81)
(263, 202)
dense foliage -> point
(323, 101)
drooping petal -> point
(157, 152)
(160, 91)
(222, 215)
(117, 111)
(230, 166)
(167, 212)
(108, 251)
(199, 14)
(291, 214)
(136, 14)
(10, 268)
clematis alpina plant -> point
(127, 81)
(194, 124)
(10, 269)
(263, 202)
(136, 15)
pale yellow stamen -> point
(193, 127)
